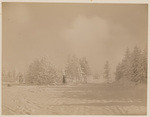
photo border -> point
(80, 1)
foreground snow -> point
(78, 100)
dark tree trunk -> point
(64, 79)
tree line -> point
(132, 68)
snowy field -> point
(89, 99)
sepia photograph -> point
(74, 58)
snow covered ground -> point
(90, 99)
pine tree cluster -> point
(133, 66)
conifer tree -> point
(85, 69)
(107, 72)
(135, 61)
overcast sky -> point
(99, 32)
